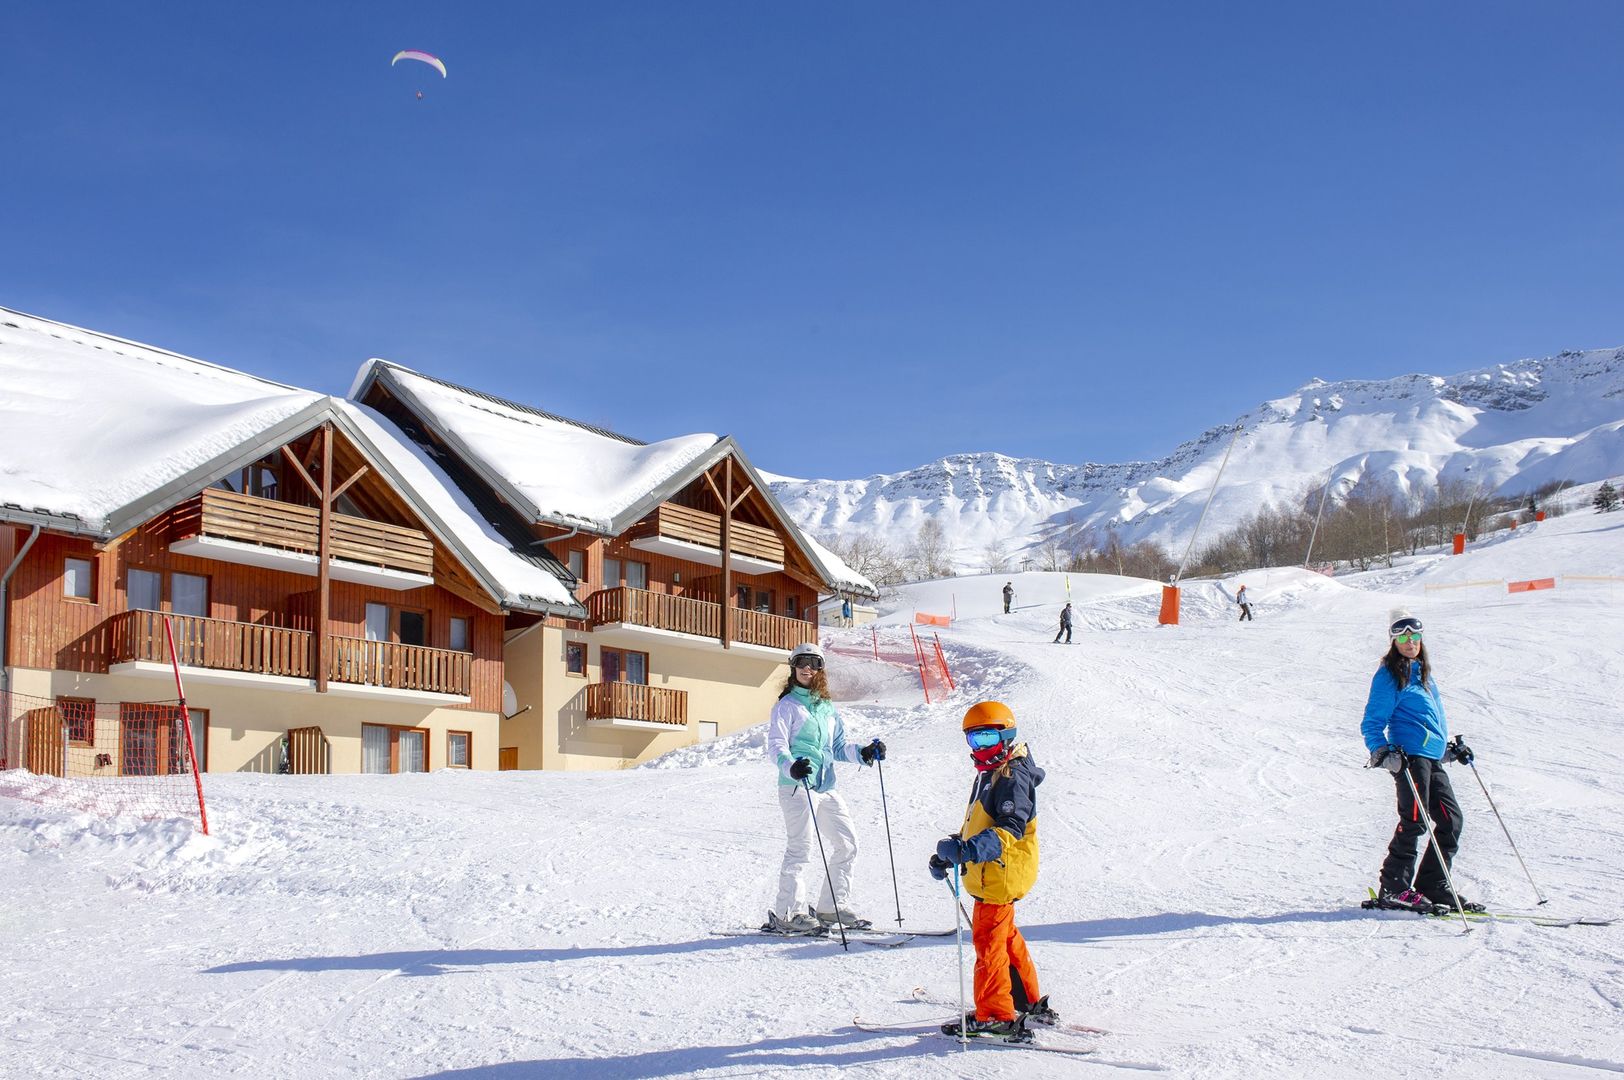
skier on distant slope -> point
(1065, 624)
(805, 737)
(1009, 595)
(998, 850)
(1406, 733)
(1244, 603)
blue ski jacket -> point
(1411, 719)
(804, 726)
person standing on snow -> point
(1009, 595)
(997, 848)
(1065, 624)
(805, 737)
(1245, 604)
(1406, 733)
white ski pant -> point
(801, 862)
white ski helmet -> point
(806, 648)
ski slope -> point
(1206, 830)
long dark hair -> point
(1398, 666)
(819, 689)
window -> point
(411, 627)
(620, 665)
(707, 730)
(764, 601)
(575, 658)
(792, 609)
(637, 575)
(456, 749)
(393, 749)
(151, 741)
(611, 573)
(577, 564)
(145, 589)
(189, 595)
(459, 634)
(377, 622)
(78, 579)
(79, 714)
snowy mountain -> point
(1509, 428)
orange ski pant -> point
(1005, 976)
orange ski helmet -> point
(993, 714)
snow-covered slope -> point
(1206, 829)
(1511, 427)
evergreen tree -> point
(1606, 498)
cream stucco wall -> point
(246, 723)
(731, 688)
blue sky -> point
(857, 236)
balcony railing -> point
(226, 515)
(633, 701)
(680, 614)
(222, 645)
(698, 527)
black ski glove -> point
(800, 769)
(1390, 758)
(874, 751)
(940, 868)
(1460, 751)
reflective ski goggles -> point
(1405, 626)
(813, 662)
(1405, 639)
(982, 738)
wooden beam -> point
(714, 489)
(300, 469)
(727, 558)
(345, 486)
(324, 598)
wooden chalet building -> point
(676, 644)
(326, 581)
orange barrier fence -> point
(1460, 543)
(932, 620)
(1530, 586)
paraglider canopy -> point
(413, 54)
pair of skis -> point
(863, 935)
(1537, 918)
(1062, 1038)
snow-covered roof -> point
(94, 425)
(561, 472)
(99, 434)
(554, 470)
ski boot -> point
(1012, 1031)
(1039, 1012)
(828, 919)
(797, 925)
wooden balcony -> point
(686, 533)
(623, 704)
(284, 527)
(251, 649)
(699, 619)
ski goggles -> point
(983, 738)
(1405, 626)
(813, 662)
(1405, 639)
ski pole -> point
(834, 900)
(1473, 765)
(958, 934)
(1437, 849)
(884, 809)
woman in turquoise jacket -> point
(805, 737)
(1405, 731)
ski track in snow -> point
(1207, 833)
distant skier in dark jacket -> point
(1406, 733)
(1065, 624)
(1009, 595)
(997, 847)
(1244, 603)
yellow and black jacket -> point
(1001, 830)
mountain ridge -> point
(1506, 428)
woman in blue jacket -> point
(1405, 731)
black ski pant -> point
(1246, 612)
(1066, 630)
(1439, 797)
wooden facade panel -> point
(50, 631)
(230, 516)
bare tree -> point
(994, 559)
